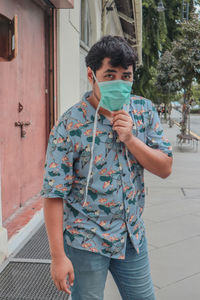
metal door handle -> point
(21, 125)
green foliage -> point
(167, 81)
(178, 69)
(187, 52)
(196, 92)
(159, 30)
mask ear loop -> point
(94, 76)
(92, 151)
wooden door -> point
(24, 86)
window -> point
(8, 38)
(85, 22)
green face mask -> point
(114, 94)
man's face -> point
(108, 73)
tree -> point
(167, 82)
(180, 68)
(186, 51)
(159, 30)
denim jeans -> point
(132, 275)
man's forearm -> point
(153, 160)
(53, 214)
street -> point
(194, 121)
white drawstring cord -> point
(129, 165)
(92, 154)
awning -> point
(63, 3)
(130, 15)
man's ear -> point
(90, 75)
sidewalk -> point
(172, 218)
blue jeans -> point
(132, 275)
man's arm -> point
(155, 161)
(61, 266)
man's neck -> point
(94, 102)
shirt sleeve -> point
(155, 134)
(58, 173)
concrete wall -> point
(68, 52)
(95, 34)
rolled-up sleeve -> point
(155, 134)
(58, 174)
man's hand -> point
(61, 269)
(123, 125)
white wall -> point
(95, 34)
(68, 57)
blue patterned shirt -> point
(116, 194)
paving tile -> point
(184, 290)
(111, 290)
(197, 213)
(192, 193)
(162, 195)
(174, 263)
(172, 231)
(151, 247)
(146, 220)
(169, 210)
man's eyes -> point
(109, 76)
(126, 77)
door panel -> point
(24, 81)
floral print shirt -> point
(116, 194)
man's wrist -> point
(58, 256)
(130, 140)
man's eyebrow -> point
(127, 73)
(110, 71)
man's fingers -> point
(65, 287)
(122, 117)
(71, 277)
(121, 124)
(119, 112)
(57, 285)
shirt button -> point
(117, 140)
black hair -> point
(114, 47)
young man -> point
(93, 181)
